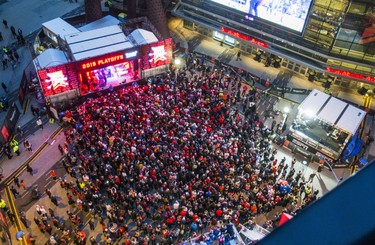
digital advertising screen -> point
(157, 54)
(58, 79)
(291, 14)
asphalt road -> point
(25, 201)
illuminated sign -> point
(57, 79)
(286, 13)
(102, 61)
(350, 74)
(244, 37)
(131, 54)
(158, 54)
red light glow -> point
(350, 74)
(244, 37)
(58, 79)
(102, 61)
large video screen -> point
(288, 13)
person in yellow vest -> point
(14, 145)
(13, 142)
(16, 150)
(3, 205)
(307, 192)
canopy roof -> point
(284, 218)
(50, 57)
(60, 27)
(141, 37)
(332, 110)
(107, 20)
(97, 42)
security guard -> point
(14, 144)
(3, 205)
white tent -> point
(50, 57)
(333, 111)
(97, 42)
(107, 20)
(141, 37)
(58, 27)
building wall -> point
(335, 31)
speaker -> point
(362, 90)
(311, 78)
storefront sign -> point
(298, 91)
(103, 61)
(324, 157)
(311, 147)
(300, 144)
(350, 74)
(281, 89)
(244, 37)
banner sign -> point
(312, 147)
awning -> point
(59, 27)
(332, 110)
(141, 37)
(50, 57)
(108, 20)
(97, 42)
(284, 218)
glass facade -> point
(356, 36)
(338, 33)
(325, 20)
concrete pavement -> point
(28, 15)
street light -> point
(177, 62)
(286, 112)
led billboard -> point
(58, 79)
(291, 14)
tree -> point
(93, 10)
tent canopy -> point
(107, 20)
(60, 27)
(97, 42)
(332, 110)
(50, 57)
(141, 37)
(284, 218)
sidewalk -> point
(28, 15)
(41, 166)
(38, 139)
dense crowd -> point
(175, 157)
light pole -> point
(286, 113)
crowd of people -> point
(170, 159)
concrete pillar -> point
(157, 16)
(93, 10)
